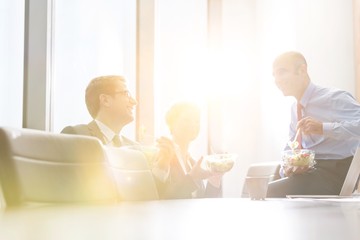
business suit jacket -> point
(180, 185)
(92, 129)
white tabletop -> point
(227, 218)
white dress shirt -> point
(108, 133)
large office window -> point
(97, 37)
(180, 59)
(91, 38)
(11, 62)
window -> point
(11, 62)
(180, 54)
(92, 38)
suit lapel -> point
(95, 131)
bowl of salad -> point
(298, 158)
(221, 162)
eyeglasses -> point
(123, 93)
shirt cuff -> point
(327, 128)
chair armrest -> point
(263, 169)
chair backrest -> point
(43, 167)
(352, 175)
(268, 170)
(132, 174)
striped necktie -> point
(299, 117)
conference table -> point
(220, 218)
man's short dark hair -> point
(97, 86)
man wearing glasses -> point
(111, 106)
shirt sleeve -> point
(345, 113)
(342, 130)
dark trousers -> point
(327, 179)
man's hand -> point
(309, 125)
(289, 170)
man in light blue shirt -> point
(330, 126)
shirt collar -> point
(307, 94)
(108, 133)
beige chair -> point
(39, 167)
(132, 174)
(268, 170)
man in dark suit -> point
(111, 105)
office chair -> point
(268, 170)
(130, 168)
(38, 167)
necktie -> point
(299, 117)
(116, 141)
